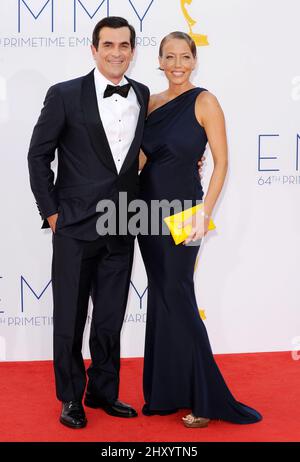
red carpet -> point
(270, 382)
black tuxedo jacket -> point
(86, 172)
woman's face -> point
(177, 61)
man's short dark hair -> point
(114, 22)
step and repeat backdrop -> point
(247, 276)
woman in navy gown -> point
(179, 367)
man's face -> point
(114, 53)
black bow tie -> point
(122, 90)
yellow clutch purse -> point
(180, 234)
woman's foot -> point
(190, 421)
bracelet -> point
(203, 214)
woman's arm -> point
(210, 115)
(142, 160)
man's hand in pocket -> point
(52, 221)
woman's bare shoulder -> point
(156, 100)
(207, 107)
(208, 98)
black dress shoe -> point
(147, 411)
(116, 409)
(72, 415)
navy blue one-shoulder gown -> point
(179, 367)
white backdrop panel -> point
(248, 272)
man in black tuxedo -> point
(95, 123)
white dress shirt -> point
(119, 117)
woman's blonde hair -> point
(181, 36)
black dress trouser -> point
(101, 269)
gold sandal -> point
(190, 421)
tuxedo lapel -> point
(136, 142)
(94, 124)
(96, 130)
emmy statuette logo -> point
(199, 39)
